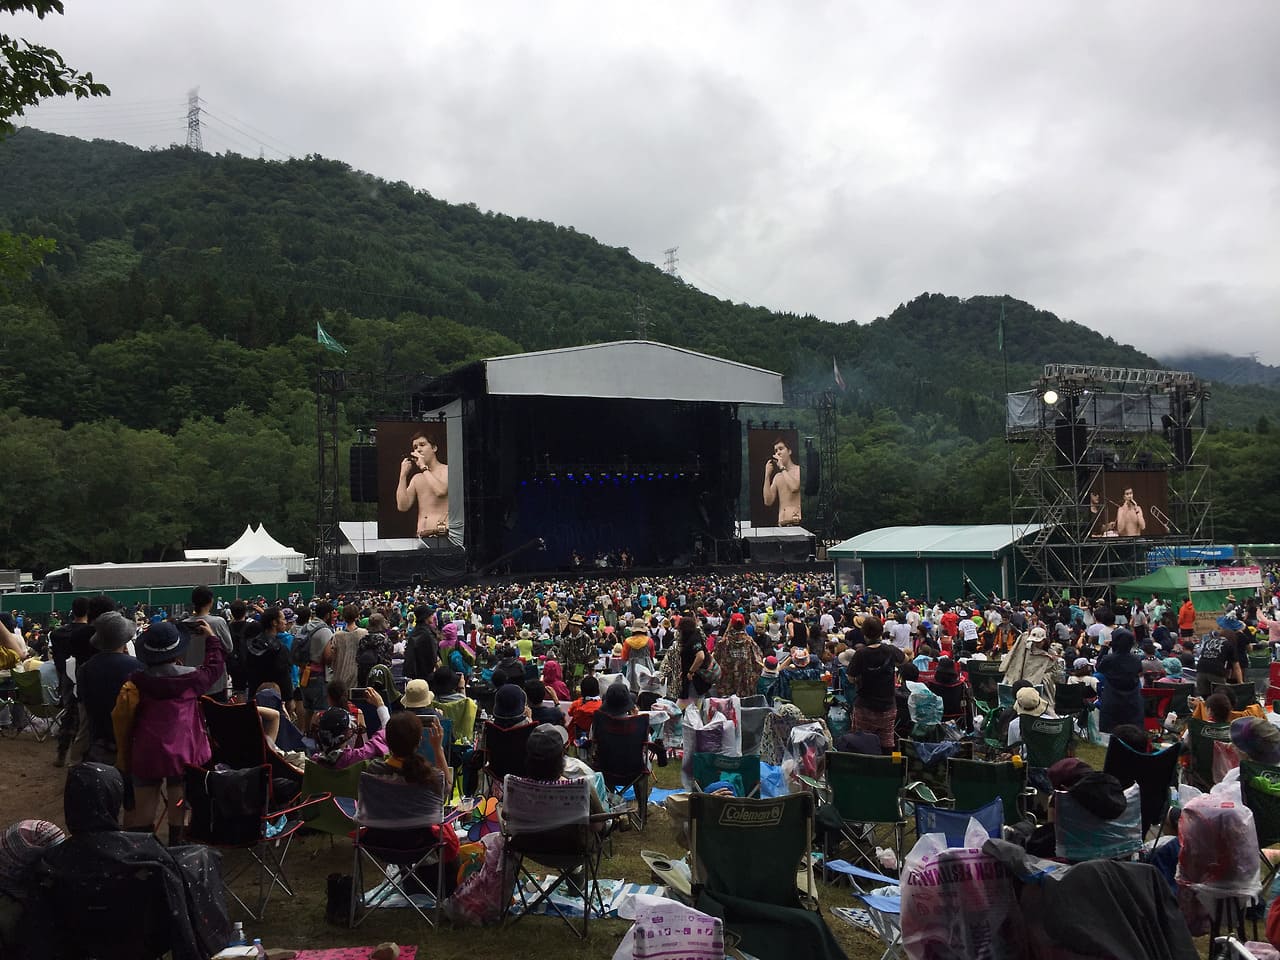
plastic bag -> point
(772, 782)
(924, 705)
(672, 727)
(1219, 855)
(1082, 836)
(838, 720)
(959, 903)
(805, 754)
(666, 928)
(480, 899)
(718, 734)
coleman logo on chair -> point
(769, 816)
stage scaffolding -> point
(1077, 425)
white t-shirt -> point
(968, 629)
(900, 634)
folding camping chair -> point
(1155, 707)
(621, 758)
(36, 705)
(974, 783)
(1078, 835)
(108, 911)
(1204, 738)
(810, 696)
(1241, 695)
(1069, 700)
(504, 751)
(237, 740)
(1006, 694)
(336, 816)
(1154, 773)
(462, 714)
(1263, 799)
(984, 677)
(551, 824)
(710, 767)
(955, 702)
(1047, 740)
(953, 823)
(866, 792)
(752, 715)
(233, 810)
(1178, 704)
(747, 857)
(397, 833)
(883, 909)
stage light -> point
(571, 476)
(1050, 397)
(524, 483)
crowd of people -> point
(370, 678)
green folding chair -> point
(36, 705)
(751, 867)
(1047, 740)
(710, 767)
(984, 678)
(866, 792)
(1260, 790)
(810, 696)
(1204, 736)
(337, 817)
(975, 783)
(1241, 695)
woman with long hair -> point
(693, 655)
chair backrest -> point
(810, 696)
(1080, 835)
(1262, 798)
(1240, 694)
(1154, 773)
(1260, 659)
(974, 783)
(954, 823)
(710, 767)
(619, 746)
(1273, 674)
(463, 715)
(505, 748)
(750, 849)
(30, 690)
(394, 804)
(952, 695)
(865, 788)
(1068, 698)
(1005, 690)
(752, 721)
(1178, 703)
(1048, 739)
(446, 738)
(227, 806)
(1203, 737)
(235, 733)
(1155, 702)
(341, 784)
(547, 816)
(111, 911)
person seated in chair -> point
(340, 739)
(542, 709)
(21, 847)
(583, 710)
(192, 909)
(405, 764)
(545, 760)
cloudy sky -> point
(1116, 163)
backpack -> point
(300, 654)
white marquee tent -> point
(256, 556)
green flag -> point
(1000, 331)
(327, 341)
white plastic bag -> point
(958, 903)
(718, 734)
(666, 928)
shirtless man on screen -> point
(782, 484)
(425, 480)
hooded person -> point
(740, 660)
(98, 859)
(1120, 700)
(21, 846)
(553, 680)
(455, 652)
(637, 652)
(510, 706)
(1029, 659)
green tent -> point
(1170, 583)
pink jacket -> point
(168, 731)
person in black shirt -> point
(873, 671)
(71, 640)
(99, 681)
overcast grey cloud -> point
(1116, 163)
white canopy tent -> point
(258, 550)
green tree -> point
(33, 72)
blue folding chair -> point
(884, 911)
(954, 823)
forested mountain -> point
(1224, 368)
(156, 371)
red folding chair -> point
(1155, 707)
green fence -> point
(41, 603)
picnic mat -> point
(612, 892)
(656, 795)
(351, 953)
(855, 917)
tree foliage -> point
(156, 374)
(31, 72)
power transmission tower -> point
(193, 121)
(669, 268)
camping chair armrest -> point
(315, 800)
(606, 817)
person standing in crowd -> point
(637, 652)
(422, 650)
(1121, 671)
(1187, 618)
(266, 659)
(201, 605)
(576, 648)
(693, 655)
(739, 659)
(71, 641)
(314, 698)
(872, 671)
(100, 679)
(159, 730)
(340, 655)
(237, 627)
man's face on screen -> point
(423, 452)
(782, 454)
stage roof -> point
(631, 369)
(978, 540)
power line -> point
(244, 133)
(193, 121)
(248, 126)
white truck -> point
(86, 577)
